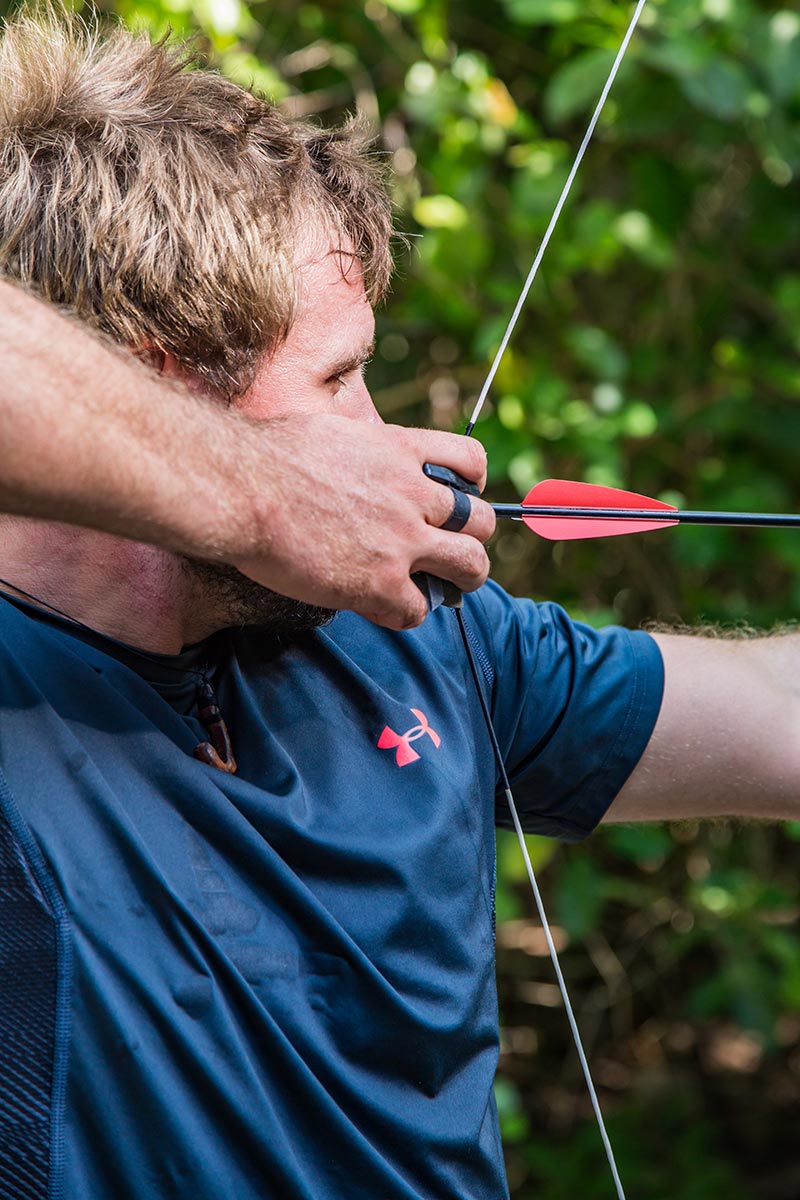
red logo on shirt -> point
(401, 742)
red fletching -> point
(562, 493)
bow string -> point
(503, 774)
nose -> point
(361, 406)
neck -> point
(135, 593)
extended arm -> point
(324, 509)
(727, 740)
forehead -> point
(332, 307)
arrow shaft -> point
(668, 516)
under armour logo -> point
(389, 740)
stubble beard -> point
(234, 600)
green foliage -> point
(673, 1128)
(659, 351)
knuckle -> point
(476, 561)
(386, 617)
(414, 617)
(477, 453)
(411, 606)
(397, 620)
(399, 604)
(413, 439)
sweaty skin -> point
(92, 438)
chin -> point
(232, 599)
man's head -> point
(193, 222)
(163, 203)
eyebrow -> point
(339, 253)
(353, 362)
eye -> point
(342, 378)
(336, 383)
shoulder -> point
(515, 640)
(541, 627)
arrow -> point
(561, 510)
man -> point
(275, 981)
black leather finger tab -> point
(431, 588)
(462, 509)
(438, 591)
(450, 479)
(441, 591)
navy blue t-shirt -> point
(279, 985)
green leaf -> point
(514, 1123)
(440, 212)
(641, 843)
(405, 8)
(638, 421)
(637, 232)
(681, 57)
(580, 895)
(576, 87)
(781, 60)
(597, 352)
(721, 90)
(542, 12)
(510, 861)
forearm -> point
(92, 437)
(727, 741)
(324, 509)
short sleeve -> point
(573, 708)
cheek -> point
(263, 408)
(277, 392)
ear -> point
(153, 356)
(165, 363)
(172, 368)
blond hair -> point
(164, 204)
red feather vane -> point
(562, 510)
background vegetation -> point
(659, 351)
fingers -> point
(389, 517)
(481, 522)
(462, 511)
(457, 557)
(462, 454)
